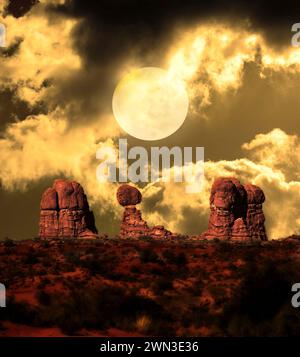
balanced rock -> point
(65, 212)
(236, 211)
(128, 195)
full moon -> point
(150, 104)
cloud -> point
(278, 150)
(212, 58)
(44, 53)
(47, 145)
(181, 212)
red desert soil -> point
(146, 287)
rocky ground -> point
(111, 287)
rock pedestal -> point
(133, 226)
(65, 212)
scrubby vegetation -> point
(106, 287)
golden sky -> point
(56, 84)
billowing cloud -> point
(43, 53)
(212, 57)
(170, 204)
(46, 145)
(277, 150)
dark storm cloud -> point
(12, 108)
(110, 28)
(110, 32)
(19, 8)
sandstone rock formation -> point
(236, 211)
(128, 195)
(65, 212)
(133, 226)
(255, 217)
(160, 232)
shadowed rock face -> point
(236, 211)
(255, 217)
(132, 225)
(128, 195)
(65, 212)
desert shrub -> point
(160, 285)
(250, 255)
(143, 324)
(233, 267)
(149, 256)
(93, 264)
(168, 254)
(218, 292)
(45, 243)
(174, 258)
(156, 270)
(225, 247)
(98, 308)
(43, 297)
(200, 316)
(116, 276)
(47, 262)
(134, 306)
(68, 267)
(286, 322)
(259, 300)
(18, 312)
(72, 257)
(197, 288)
(14, 271)
(8, 243)
(180, 259)
(135, 269)
(31, 258)
(41, 272)
(146, 238)
(43, 283)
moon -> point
(150, 104)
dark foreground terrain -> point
(141, 288)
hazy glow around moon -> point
(150, 104)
